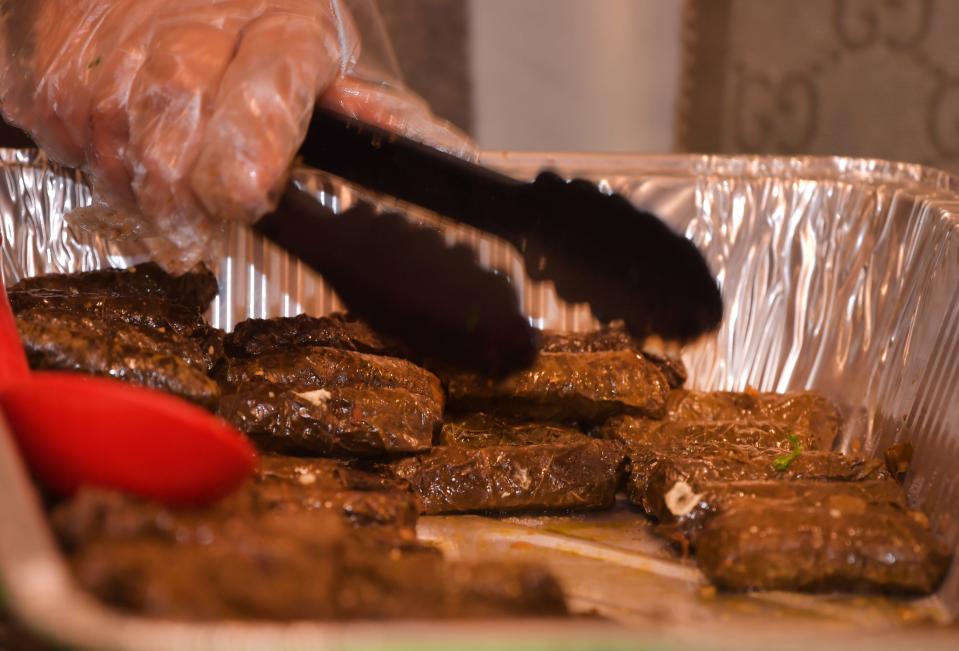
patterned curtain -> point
(872, 78)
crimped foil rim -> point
(922, 177)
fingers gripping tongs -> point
(406, 282)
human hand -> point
(185, 113)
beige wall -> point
(597, 75)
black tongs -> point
(402, 278)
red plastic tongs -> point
(75, 430)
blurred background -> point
(546, 74)
(875, 78)
(869, 78)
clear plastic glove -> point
(185, 113)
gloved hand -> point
(188, 112)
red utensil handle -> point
(13, 362)
(75, 430)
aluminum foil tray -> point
(838, 274)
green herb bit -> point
(783, 462)
(93, 64)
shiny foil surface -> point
(840, 275)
